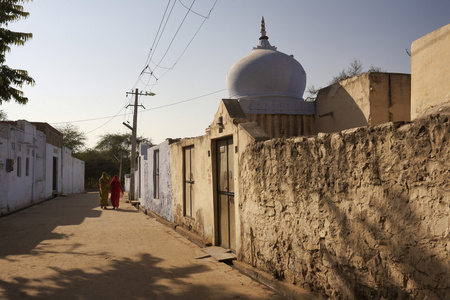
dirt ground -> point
(69, 248)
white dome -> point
(266, 73)
(268, 81)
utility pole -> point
(133, 139)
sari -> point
(116, 191)
(104, 189)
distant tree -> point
(117, 143)
(355, 69)
(11, 11)
(375, 69)
(114, 149)
(73, 138)
(3, 115)
(95, 162)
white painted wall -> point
(162, 205)
(16, 187)
(27, 185)
(72, 170)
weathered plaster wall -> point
(16, 186)
(72, 173)
(430, 72)
(369, 99)
(361, 214)
(202, 220)
(22, 141)
(390, 97)
(162, 205)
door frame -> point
(216, 178)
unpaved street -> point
(68, 248)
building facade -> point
(33, 169)
(311, 207)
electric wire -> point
(176, 33)
(106, 121)
(153, 48)
(188, 8)
(158, 36)
(158, 65)
(150, 109)
(157, 33)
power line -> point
(153, 48)
(152, 51)
(176, 33)
(154, 108)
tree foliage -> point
(73, 138)
(111, 150)
(11, 11)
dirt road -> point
(69, 248)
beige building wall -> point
(283, 125)
(229, 122)
(201, 222)
(369, 99)
(430, 72)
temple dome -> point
(268, 81)
(266, 73)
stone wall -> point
(360, 214)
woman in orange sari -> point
(116, 192)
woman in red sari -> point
(116, 191)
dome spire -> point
(264, 39)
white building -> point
(34, 165)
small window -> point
(19, 166)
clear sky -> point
(85, 55)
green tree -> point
(117, 148)
(119, 144)
(73, 138)
(111, 151)
(11, 11)
(95, 162)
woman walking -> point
(104, 185)
(116, 191)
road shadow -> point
(39, 222)
(121, 279)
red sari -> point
(116, 191)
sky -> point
(86, 55)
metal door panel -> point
(224, 234)
(225, 189)
(232, 229)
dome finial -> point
(264, 39)
(263, 30)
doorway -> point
(225, 194)
(55, 175)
